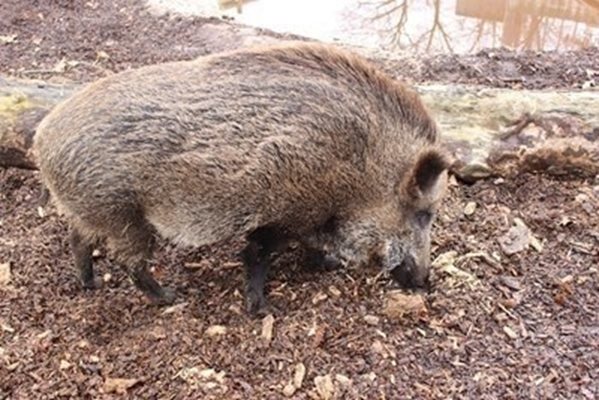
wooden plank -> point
(572, 10)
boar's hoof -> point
(93, 283)
(256, 304)
(166, 297)
(330, 263)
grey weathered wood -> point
(504, 132)
(23, 103)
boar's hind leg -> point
(82, 254)
(134, 248)
(143, 280)
(257, 257)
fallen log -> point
(490, 132)
(504, 132)
(23, 104)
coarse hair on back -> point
(364, 76)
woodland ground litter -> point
(494, 326)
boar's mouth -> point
(406, 274)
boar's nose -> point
(408, 275)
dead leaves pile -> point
(518, 238)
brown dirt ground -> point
(526, 326)
(84, 40)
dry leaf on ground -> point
(470, 208)
(298, 376)
(119, 385)
(7, 39)
(399, 305)
(4, 273)
(518, 238)
(268, 327)
(216, 330)
(324, 387)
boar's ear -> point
(427, 174)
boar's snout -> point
(410, 275)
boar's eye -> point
(424, 217)
(330, 225)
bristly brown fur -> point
(338, 64)
(204, 150)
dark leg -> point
(256, 267)
(317, 260)
(257, 257)
(144, 281)
(133, 249)
(82, 254)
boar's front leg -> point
(257, 257)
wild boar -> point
(295, 142)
